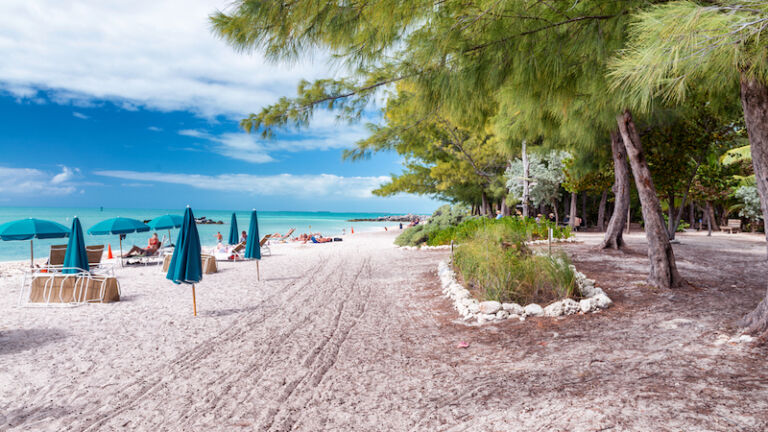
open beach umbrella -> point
(233, 239)
(166, 222)
(252, 246)
(29, 229)
(76, 256)
(186, 267)
(118, 225)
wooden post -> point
(194, 302)
(550, 242)
(526, 191)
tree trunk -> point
(484, 205)
(504, 208)
(711, 219)
(613, 234)
(584, 210)
(557, 215)
(526, 190)
(572, 211)
(601, 211)
(692, 216)
(663, 272)
(754, 101)
(671, 215)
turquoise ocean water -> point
(327, 223)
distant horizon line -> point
(208, 209)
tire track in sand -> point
(145, 385)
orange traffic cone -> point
(353, 230)
(109, 252)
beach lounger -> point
(208, 263)
(56, 258)
(95, 255)
(43, 288)
(285, 238)
(264, 243)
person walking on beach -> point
(219, 237)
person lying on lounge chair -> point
(302, 237)
(320, 239)
(152, 247)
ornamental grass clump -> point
(497, 265)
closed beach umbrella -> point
(166, 222)
(185, 267)
(76, 256)
(252, 246)
(116, 226)
(30, 229)
(233, 238)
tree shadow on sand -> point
(18, 340)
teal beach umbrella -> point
(166, 222)
(29, 229)
(233, 239)
(76, 256)
(185, 267)
(252, 246)
(118, 225)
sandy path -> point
(354, 336)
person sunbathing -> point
(320, 239)
(302, 237)
(152, 247)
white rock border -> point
(473, 310)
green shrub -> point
(528, 228)
(496, 265)
(412, 236)
(444, 217)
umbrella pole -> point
(258, 276)
(194, 302)
(31, 254)
(121, 251)
(169, 236)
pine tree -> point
(715, 48)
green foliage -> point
(749, 202)
(413, 236)
(448, 215)
(528, 229)
(680, 45)
(545, 173)
(442, 218)
(497, 265)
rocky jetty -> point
(400, 218)
(205, 221)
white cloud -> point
(143, 53)
(325, 135)
(319, 186)
(155, 129)
(24, 181)
(80, 115)
(65, 175)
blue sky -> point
(138, 106)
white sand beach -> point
(354, 336)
